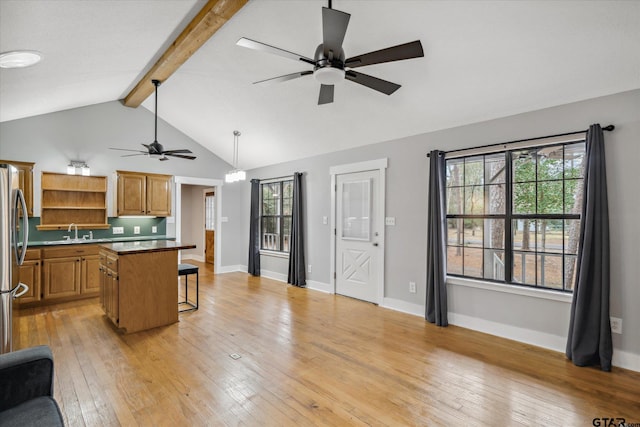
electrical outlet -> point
(309, 269)
(616, 325)
(412, 287)
(136, 229)
(154, 229)
(117, 230)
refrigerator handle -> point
(18, 294)
(25, 234)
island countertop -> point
(127, 248)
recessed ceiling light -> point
(19, 58)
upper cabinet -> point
(143, 194)
(25, 171)
(77, 199)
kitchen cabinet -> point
(77, 199)
(70, 272)
(109, 285)
(30, 273)
(143, 194)
(25, 176)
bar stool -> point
(185, 270)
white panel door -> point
(358, 226)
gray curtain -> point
(436, 306)
(589, 341)
(254, 229)
(297, 270)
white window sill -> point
(511, 289)
(275, 254)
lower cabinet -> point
(31, 274)
(109, 286)
(60, 272)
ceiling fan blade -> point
(374, 83)
(285, 77)
(326, 94)
(178, 155)
(126, 149)
(252, 44)
(183, 151)
(163, 158)
(395, 53)
(138, 154)
(334, 27)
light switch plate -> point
(224, 219)
(390, 220)
(117, 230)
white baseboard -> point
(311, 284)
(231, 269)
(273, 275)
(194, 257)
(621, 359)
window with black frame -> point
(514, 216)
(275, 216)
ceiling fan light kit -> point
(329, 64)
(156, 149)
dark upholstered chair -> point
(26, 389)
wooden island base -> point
(139, 283)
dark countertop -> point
(127, 248)
(45, 243)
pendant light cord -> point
(156, 83)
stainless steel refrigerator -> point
(14, 234)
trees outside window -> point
(514, 216)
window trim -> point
(273, 252)
(509, 215)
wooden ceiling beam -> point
(210, 19)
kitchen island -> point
(139, 283)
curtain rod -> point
(607, 128)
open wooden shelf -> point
(77, 199)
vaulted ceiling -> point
(483, 60)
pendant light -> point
(236, 174)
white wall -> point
(539, 321)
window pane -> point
(550, 271)
(524, 231)
(550, 197)
(474, 200)
(524, 198)
(455, 231)
(287, 197)
(524, 166)
(472, 262)
(549, 237)
(524, 268)
(573, 196)
(454, 259)
(571, 236)
(570, 262)
(496, 199)
(474, 171)
(286, 233)
(270, 198)
(455, 172)
(494, 233)
(356, 210)
(574, 160)
(455, 200)
(473, 232)
(270, 233)
(550, 163)
(494, 169)
(494, 264)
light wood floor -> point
(309, 358)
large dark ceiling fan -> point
(329, 63)
(155, 148)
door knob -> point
(375, 244)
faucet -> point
(76, 227)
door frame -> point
(217, 183)
(371, 165)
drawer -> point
(69, 251)
(32, 254)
